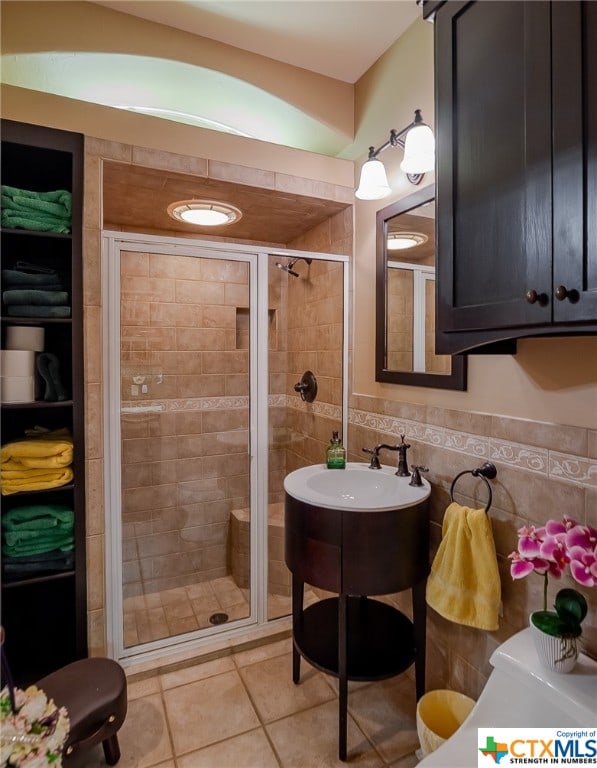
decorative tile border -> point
(561, 466)
(573, 468)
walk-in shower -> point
(204, 344)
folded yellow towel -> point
(464, 583)
(34, 479)
(36, 453)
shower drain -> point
(218, 618)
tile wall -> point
(183, 350)
(544, 471)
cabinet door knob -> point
(533, 297)
(563, 293)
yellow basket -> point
(439, 715)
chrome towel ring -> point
(485, 471)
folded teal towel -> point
(29, 310)
(56, 203)
(17, 278)
(36, 222)
(37, 516)
(42, 298)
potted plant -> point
(550, 550)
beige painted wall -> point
(552, 380)
(86, 27)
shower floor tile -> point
(176, 611)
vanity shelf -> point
(381, 641)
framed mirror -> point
(405, 298)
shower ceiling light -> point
(400, 241)
(204, 213)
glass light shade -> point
(419, 150)
(204, 213)
(400, 241)
(373, 184)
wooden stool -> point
(94, 694)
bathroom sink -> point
(356, 487)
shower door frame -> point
(257, 258)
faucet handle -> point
(416, 476)
(374, 463)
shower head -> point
(289, 267)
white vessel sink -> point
(356, 487)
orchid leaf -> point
(550, 623)
(571, 607)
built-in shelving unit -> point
(44, 612)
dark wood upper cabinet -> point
(516, 120)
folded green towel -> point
(41, 298)
(17, 278)
(66, 544)
(30, 310)
(37, 222)
(54, 536)
(37, 516)
(39, 557)
(56, 203)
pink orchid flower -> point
(529, 541)
(521, 566)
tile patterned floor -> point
(243, 711)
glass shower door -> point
(185, 443)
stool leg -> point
(111, 749)
(342, 675)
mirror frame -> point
(454, 380)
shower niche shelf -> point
(44, 612)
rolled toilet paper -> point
(28, 337)
(17, 362)
(17, 389)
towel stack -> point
(37, 211)
(41, 461)
(37, 538)
(29, 292)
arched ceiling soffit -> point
(175, 91)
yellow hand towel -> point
(41, 454)
(464, 583)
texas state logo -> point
(536, 746)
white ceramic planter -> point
(557, 653)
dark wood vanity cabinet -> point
(357, 554)
(44, 611)
(516, 124)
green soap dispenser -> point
(336, 453)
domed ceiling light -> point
(400, 241)
(204, 213)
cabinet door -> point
(575, 160)
(493, 113)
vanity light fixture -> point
(417, 142)
(400, 241)
(204, 213)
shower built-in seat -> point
(278, 575)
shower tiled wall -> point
(333, 236)
(184, 356)
(534, 483)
